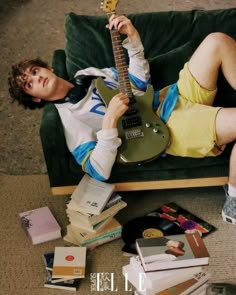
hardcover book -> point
(91, 195)
(69, 262)
(160, 280)
(92, 244)
(40, 225)
(92, 228)
(66, 284)
(48, 260)
(172, 252)
(113, 226)
(71, 285)
(92, 220)
(193, 285)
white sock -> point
(231, 190)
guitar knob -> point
(148, 125)
(155, 130)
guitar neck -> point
(120, 63)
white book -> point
(91, 195)
(175, 251)
(84, 235)
(69, 262)
(94, 244)
(40, 225)
(91, 228)
(153, 282)
(162, 279)
(200, 291)
(195, 285)
(89, 220)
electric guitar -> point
(144, 136)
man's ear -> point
(36, 99)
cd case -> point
(169, 219)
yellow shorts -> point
(192, 122)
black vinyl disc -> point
(148, 227)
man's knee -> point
(218, 41)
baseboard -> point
(152, 185)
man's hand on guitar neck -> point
(116, 108)
(123, 25)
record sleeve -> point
(147, 227)
(169, 219)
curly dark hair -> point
(16, 91)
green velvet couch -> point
(169, 39)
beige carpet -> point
(22, 270)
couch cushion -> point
(164, 68)
(88, 41)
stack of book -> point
(65, 267)
(169, 265)
(91, 212)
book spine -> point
(103, 241)
(94, 219)
(70, 239)
(197, 246)
(188, 286)
(117, 231)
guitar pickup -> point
(131, 112)
(134, 133)
(131, 122)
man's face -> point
(38, 82)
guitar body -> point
(144, 136)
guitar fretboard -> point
(120, 63)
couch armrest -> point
(59, 63)
(57, 156)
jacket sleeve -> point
(139, 72)
(94, 151)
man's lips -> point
(45, 81)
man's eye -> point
(35, 71)
(29, 85)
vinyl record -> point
(148, 227)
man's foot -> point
(221, 289)
(229, 209)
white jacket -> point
(93, 148)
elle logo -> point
(104, 281)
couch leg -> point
(152, 185)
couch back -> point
(169, 39)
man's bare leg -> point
(218, 51)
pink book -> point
(40, 225)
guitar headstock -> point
(109, 6)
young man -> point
(90, 128)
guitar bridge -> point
(134, 133)
(131, 122)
